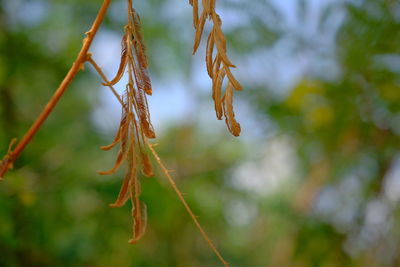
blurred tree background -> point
(314, 179)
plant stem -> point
(185, 204)
(77, 65)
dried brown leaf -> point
(147, 169)
(217, 84)
(138, 40)
(144, 75)
(199, 31)
(206, 6)
(123, 151)
(232, 79)
(233, 125)
(124, 195)
(216, 64)
(212, 5)
(209, 54)
(117, 138)
(122, 64)
(141, 106)
(195, 5)
(139, 214)
(120, 159)
(221, 46)
(220, 39)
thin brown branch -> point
(9, 159)
(185, 204)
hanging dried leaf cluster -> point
(218, 66)
(135, 125)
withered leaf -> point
(123, 151)
(142, 109)
(216, 64)
(124, 195)
(209, 54)
(122, 64)
(139, 214)
(195, 5)
(199, 31)
(117, 138)
(147, 169)
(232, 79)
(206, 6)
(233, 125)
(138, 40)
(217, 84)
(221, 45)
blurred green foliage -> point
(333, 133)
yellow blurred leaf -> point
(27, 198)
(298, 96)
